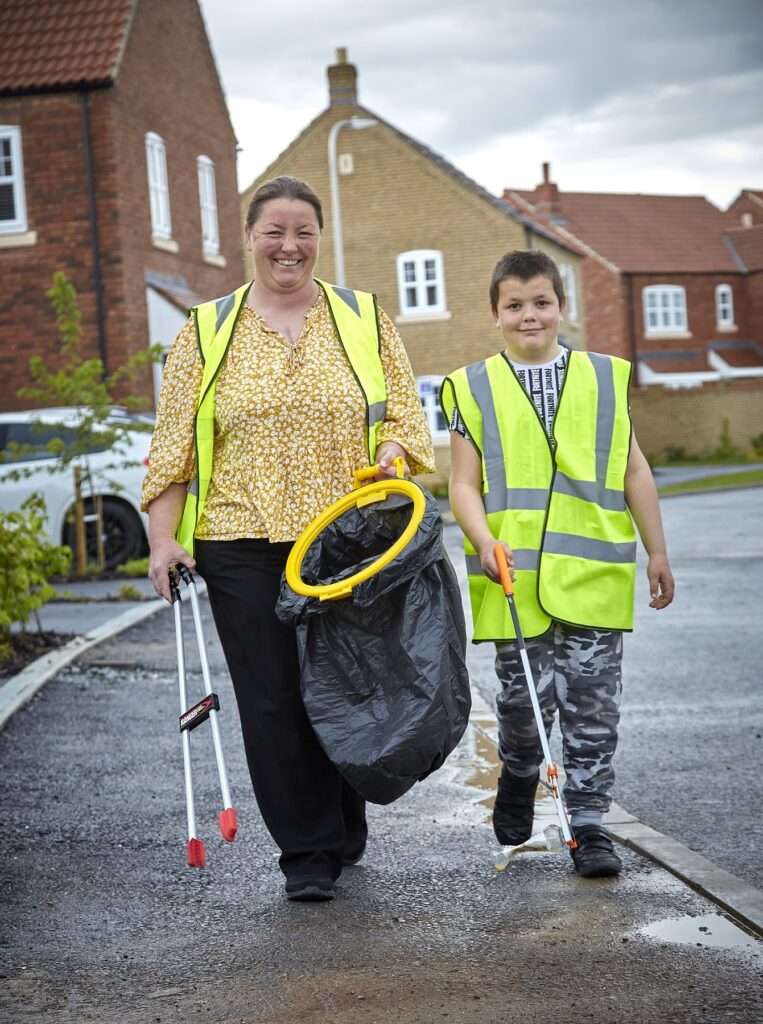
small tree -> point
(83, 385)
(26, 563)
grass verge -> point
(745, 478)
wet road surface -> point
(102, 921)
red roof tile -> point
(646, 234)
(748, 242)
(49, 44)
(676, 362)
(739, 354)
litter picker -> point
(192, 717)
(553, 837)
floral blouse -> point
(290, 425)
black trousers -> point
(311, 812)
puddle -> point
(711, 930)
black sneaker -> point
(594, 856)
(310, 889)
(514, 807)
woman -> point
(301, 384)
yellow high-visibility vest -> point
(355, 317)
(561, 510)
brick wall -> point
(605, 297)
(57, 210)
(168, 84)
(693, 418)
(700, 311)
(741, 205)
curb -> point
(19, 689)
(737, 898)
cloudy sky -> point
(620, 96)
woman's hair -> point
(284, 187)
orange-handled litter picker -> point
(546, 840)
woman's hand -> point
(166, 553)
(385, 453)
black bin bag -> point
(383, 671)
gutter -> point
(94, 244)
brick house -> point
(118, 167)
(665, 285)
(420, 234)
(746, 209)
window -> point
(429, 393)
(12, 200)
(420, 282)
(210, 233)
(724, 306)
(158, 190)
(570, 290)
(664, 309)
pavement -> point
(669, 893)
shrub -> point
(27, 561)
(137, 567)
(726, 450)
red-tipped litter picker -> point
(552, 837)
(190, 718)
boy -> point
(544, 461)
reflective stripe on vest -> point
(356, 320)
(563, 515)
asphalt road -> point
(691, 736)
(103, 922)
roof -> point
(50, 45)
(748, 244)
(645, 233)
(508, 209)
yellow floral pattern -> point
(290, 425)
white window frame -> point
(210, 229)
(158, 187)
(724, 306)
(567, 273)
(665, 309)
(429, 393)
(12, 134)
(418, 271)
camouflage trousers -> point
(577, 672)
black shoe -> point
(356, 847)
(310, 889)
(594, 856)
(514, 807)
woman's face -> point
(284, 242)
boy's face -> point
(529, 315)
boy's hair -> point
(524, 265)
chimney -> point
(343, 79)
(546, 198)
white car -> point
(124, 525)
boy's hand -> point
(661, 584)
(488, 562)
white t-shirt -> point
(543, 384)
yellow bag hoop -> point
(359, 496)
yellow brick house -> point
(419, 233)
